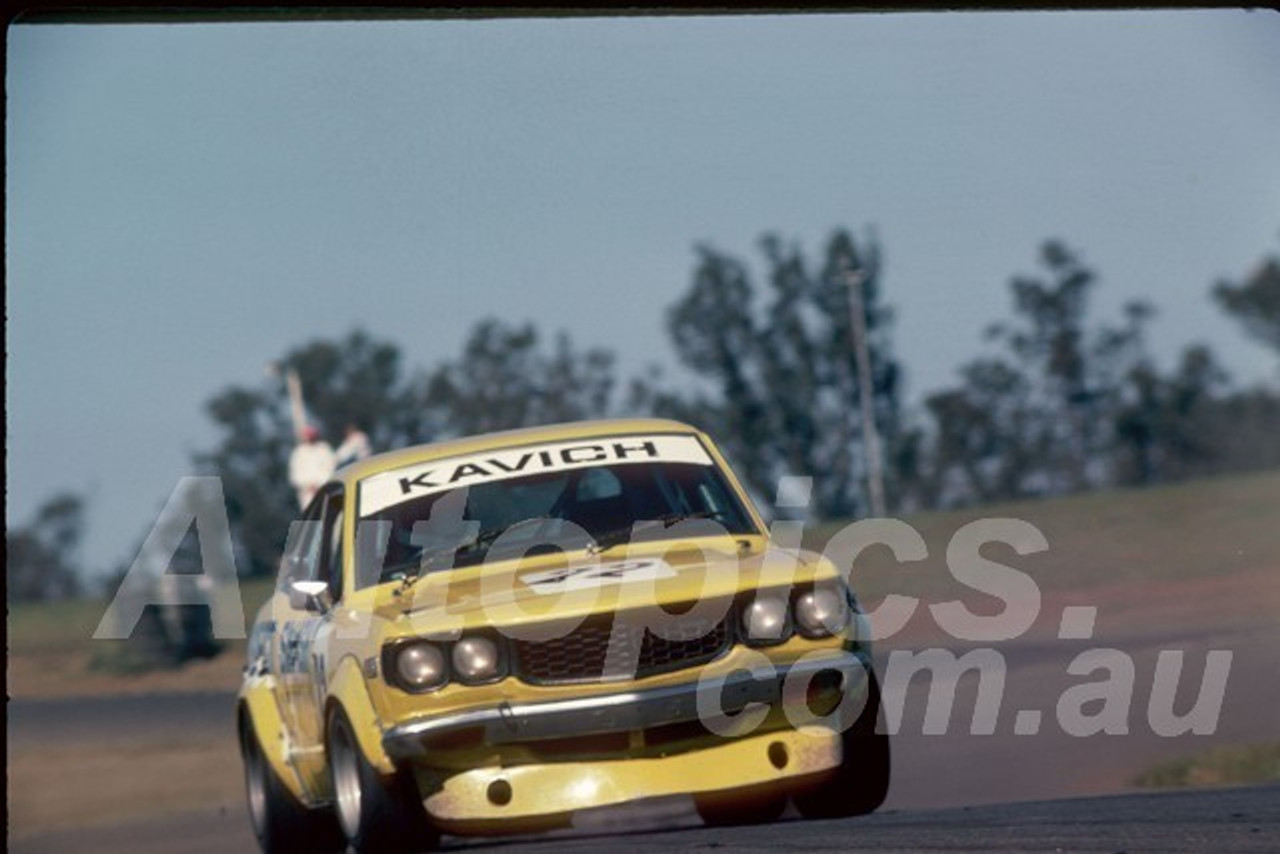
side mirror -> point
(294, 567)
(310, 596)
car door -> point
(300, 658)
(319, 629)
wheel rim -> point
(346, 781)
(255, 786)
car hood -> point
(562, 587)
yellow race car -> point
(491, 634)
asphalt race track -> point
(1219, 821)
(953, 792)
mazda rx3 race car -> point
(490, 634)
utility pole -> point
(871, 437)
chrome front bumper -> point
(510, 723)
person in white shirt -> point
(311, 465)
(355, 446)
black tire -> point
(756, 805)
(860, 784)
(377, 815)
(280, 822)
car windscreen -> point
(562, 507)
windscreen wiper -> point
(486, 538)
(411, 570)
(613, 537)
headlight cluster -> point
(821, 612)
(475, 659)
(419, 666)
(814, 612)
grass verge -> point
(52, 652)
(1222, 766)
(1207, 528)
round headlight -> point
(821, 612)
(765, 619)
(420, 666)
(475, 659)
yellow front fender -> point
(259, 717)
(348, 691)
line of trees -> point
(1058, 399)
(41, 557)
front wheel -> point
(280, 822)
(860, 784)
(375, 815)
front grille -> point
(584, 654)
(686, 644)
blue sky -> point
(185, 202)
